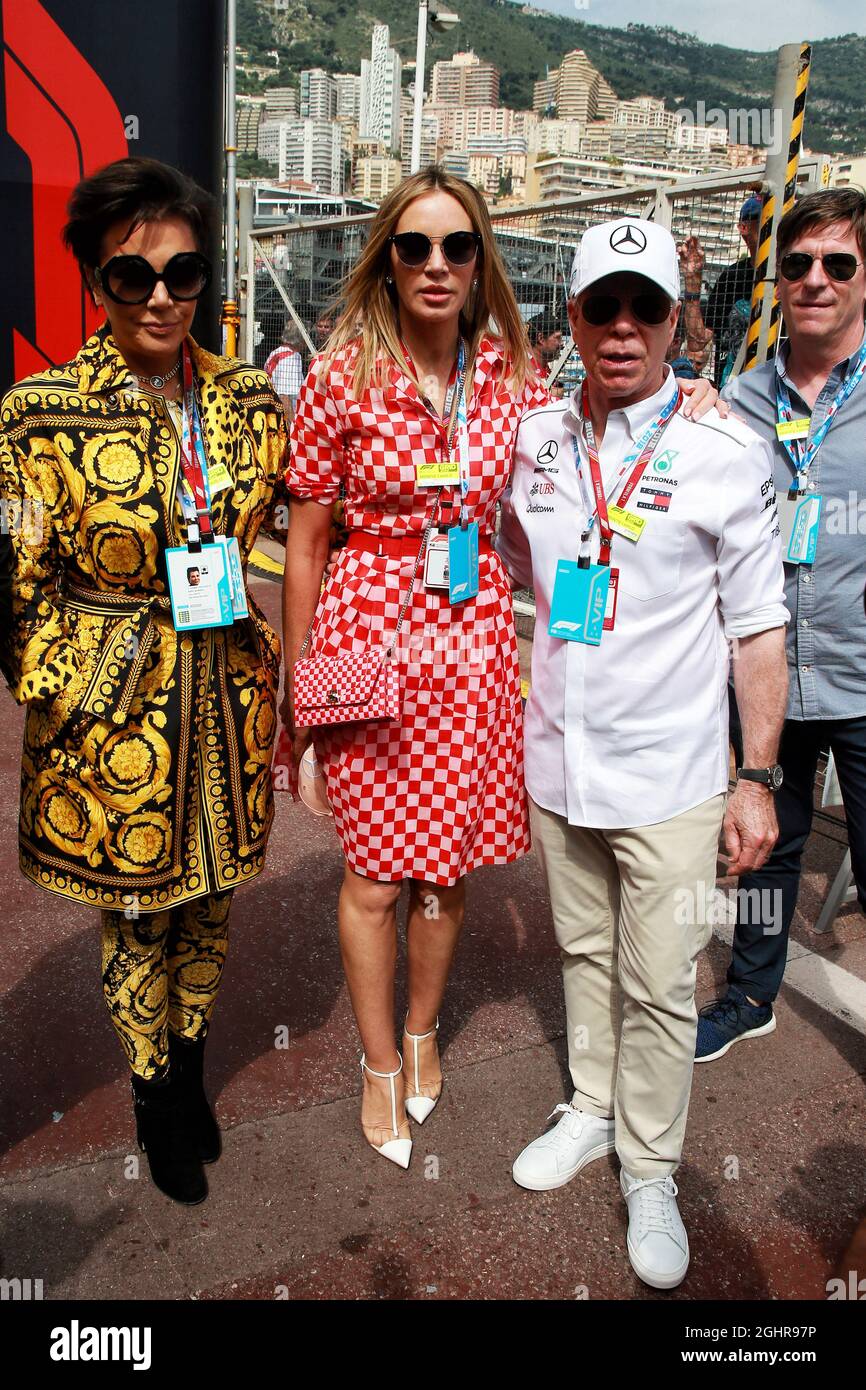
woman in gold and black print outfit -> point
(146, 786)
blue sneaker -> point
(727, 1021)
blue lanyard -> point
(803, 459)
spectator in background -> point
(322, 329)
(687, 365)
(286, 370)
(280, 255)
(726, 317)
(545, 341)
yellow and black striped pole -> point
(765, 311)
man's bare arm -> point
(761, 685)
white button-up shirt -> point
(635, 731)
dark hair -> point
(823, 209)
(542, 326)
(135, 190)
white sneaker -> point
(658, 1246)
(554, 1158)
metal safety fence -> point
(293, 272)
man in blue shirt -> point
(811, 404)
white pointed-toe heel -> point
(422, 1094)
(377, 1126)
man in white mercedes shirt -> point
(651, 541)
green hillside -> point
(521, 41)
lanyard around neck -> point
(803, 458)
(640, 457)
(193, 461)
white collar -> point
(637, 416)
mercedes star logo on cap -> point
(628, 241)
(547, 453)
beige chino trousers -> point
(625, 904)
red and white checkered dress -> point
(442, 791)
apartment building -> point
(465, 80)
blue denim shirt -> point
(827, 634)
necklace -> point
(157, 382)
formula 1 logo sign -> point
(62, 116)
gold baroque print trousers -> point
(162, 970)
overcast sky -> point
(752, 24)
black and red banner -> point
(84, 82)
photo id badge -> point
(799, 514)
(463, 562)
(235, 569)
(436, 562)
(579, 603)
(200, 588)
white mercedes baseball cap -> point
(630, 244)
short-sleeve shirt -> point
(440, 791)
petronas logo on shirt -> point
(664, 461)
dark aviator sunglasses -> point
(132, 279)
(651, 307)
(839, 265)
(415, 249)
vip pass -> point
(800, 510)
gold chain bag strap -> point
(355, 687)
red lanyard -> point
(647, 448)
(191, 449)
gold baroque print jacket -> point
(146, 766)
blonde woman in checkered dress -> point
(440, 792)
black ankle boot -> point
(166, 1138)
(186, 1059)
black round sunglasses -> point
(414, 248)
(132, 279)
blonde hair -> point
(369, 318)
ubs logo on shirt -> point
(544, 489)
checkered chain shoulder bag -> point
(355, 687)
